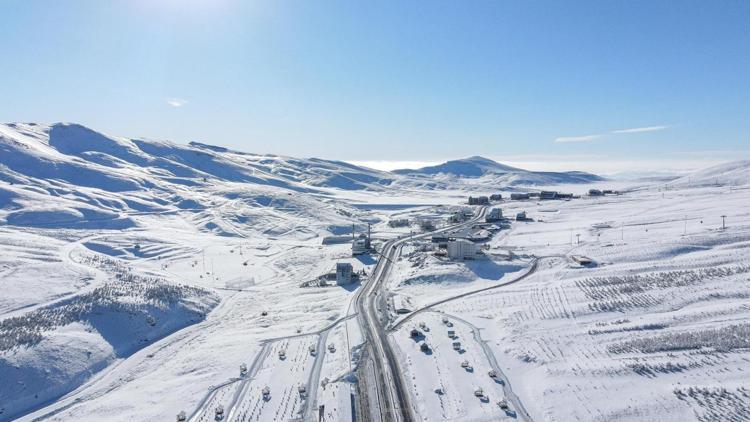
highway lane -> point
(392, 398)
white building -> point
(360, 245)
(462, 249)
(344, 272)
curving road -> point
(387, 391)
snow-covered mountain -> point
(66, 175)
(79, 155)
(492, 172)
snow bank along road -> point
(389, 394)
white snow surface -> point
(138, 275)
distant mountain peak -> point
(474, 166)
(491, 171)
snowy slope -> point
(736, 173)
(66, 175)
(92, 225)
(137, 275)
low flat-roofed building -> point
(547, 194)
(479, 200)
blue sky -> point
(598, 85)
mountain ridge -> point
(476, 167)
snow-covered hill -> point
(491, 172)
(468, 167)
(735, 173)
(78, 155)
(69, 176)
(90, 223)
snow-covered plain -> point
(655, 329)
(138, 275)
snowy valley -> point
(143, 278)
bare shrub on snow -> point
(723, 339)
(620, 293)
(717, 403)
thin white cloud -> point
(585, 138)
(176, 102)
(641, 129)
(590, 138)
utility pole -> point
(723, 222)
(622, 231)
(684, 231)
(578, 238)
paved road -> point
(525, 275)
(388, 388)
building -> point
(546, 194)
(344, 272)
(360, 245)
(595, 192)
(521, 216)
(479, 200)
(440, 238)
(426, 225)
(496, 197)
(456, 218)
(496, 214)
(462, 249)
(564, 196)
(519, 196)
